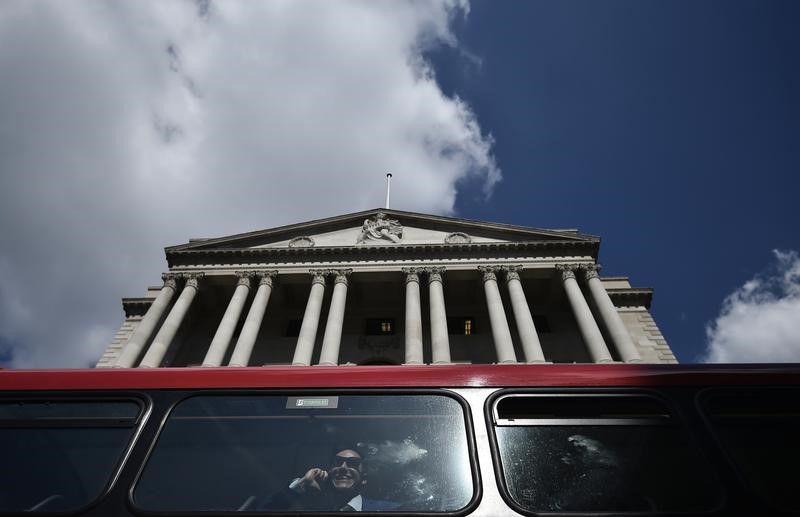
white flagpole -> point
(388, 188)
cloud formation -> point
(128, 126)
(758, 321)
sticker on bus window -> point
(312, 402)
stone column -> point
(503, 345)
(133, 349)
(583, 315)
(158, 348)
(440, 341)
(611, 319)
(308, 330)
(528, 337)
(413, 317)
(222, 338)
(252, 324)
(332, 338)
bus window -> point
(758, 429)
(59, 455)
(310, 453)
(598, 453)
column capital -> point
(170, 280)
(412, 273)
(267, 276)
(341, 275)
(434, 273)
(244, 278)
(567, 270)
(489, 272)
(192, 279)
(512, 272)
(318, 276)
(591, 270)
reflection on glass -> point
(264, 453)
(758, 428)
(59, 456)
(607, 453)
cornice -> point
(631, 297)
(176, 257)
(136, 306)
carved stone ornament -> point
(489, 272)
(170, 280)
(512, 272)
(567, 270)
(301, 242)
(244, 278)
(412, 273)
(591, 270)
(319, 275)
(267, 276)
(457, 238)
(434, 273)
(192, 279)
(381, 229)
(341, 275)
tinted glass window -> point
(310, 453)
(604, 453)
(60, 455)
(758, 428)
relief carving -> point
(380, 228)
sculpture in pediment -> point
(381, 228)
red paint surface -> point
(453, 376)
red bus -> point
(402, 440)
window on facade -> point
(293, 328)
(758, 428)
(60, 455)
(599, 453)
(379, 326)
(247, 453)
(460, 325)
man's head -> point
(346, 471)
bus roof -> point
(425, 376)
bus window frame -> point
(477, 490)
(701, 399)
(138, 424)
(677, 419)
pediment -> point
(381, 227)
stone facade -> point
(387, 287)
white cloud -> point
(128, 126)
(759, 321)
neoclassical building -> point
(387, 287)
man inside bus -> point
(335, 488)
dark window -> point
(293, 328)
(59, 456)
(460, 325)
(229, 453)
(758, 428)
(541, 324)
(379, 327)
(604, 453)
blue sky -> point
(668, 128)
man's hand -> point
(314, 479)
